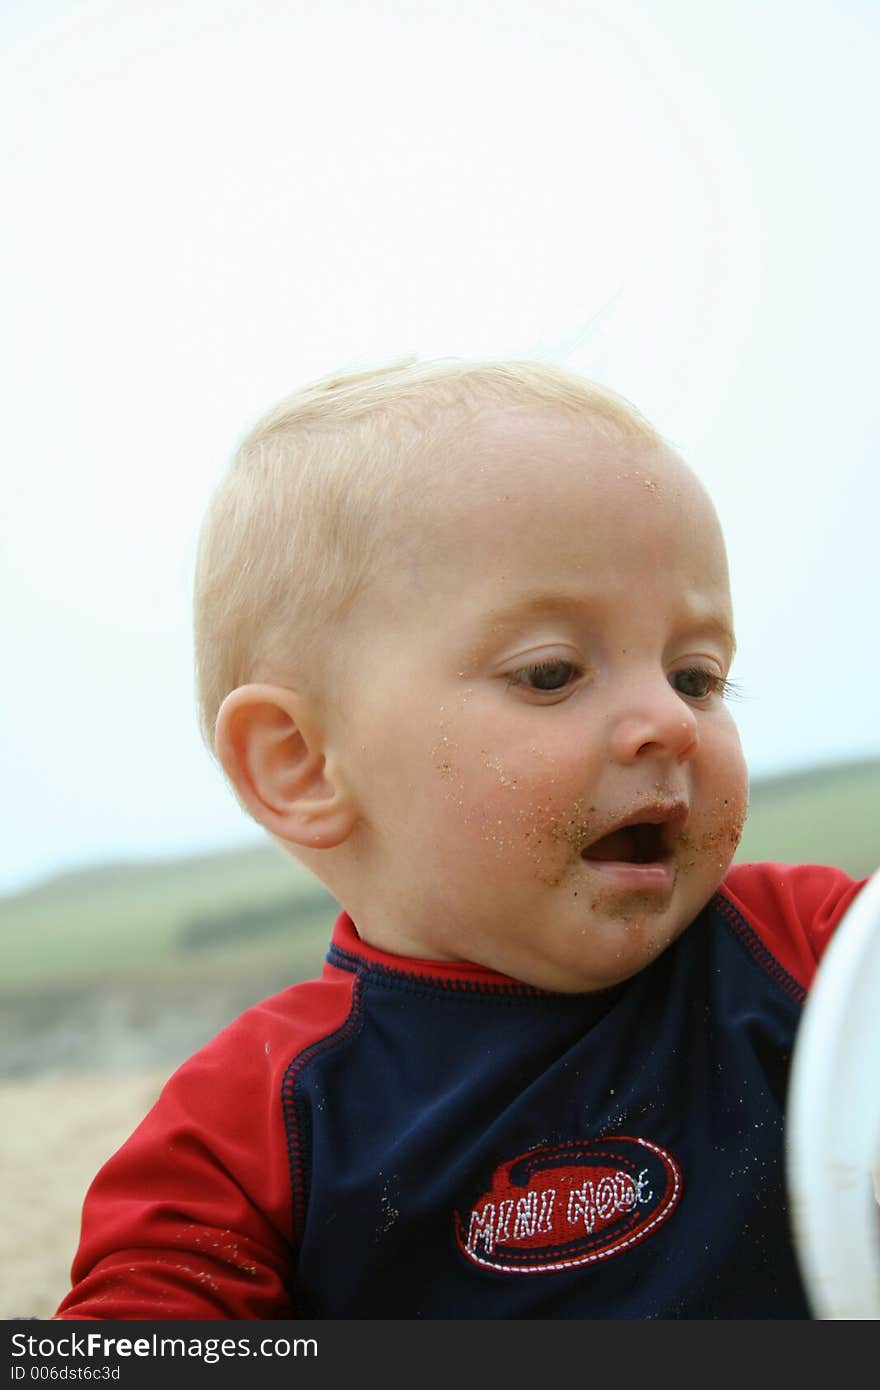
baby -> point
(463, 634)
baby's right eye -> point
(546, 677)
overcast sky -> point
(208, 203)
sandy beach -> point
(56, 1134)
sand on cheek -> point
(519, 819)
(715, 841)
(511, 811)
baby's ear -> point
(271, 748)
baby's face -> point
(532, 720)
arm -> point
(190, 1218)
(193, 1216)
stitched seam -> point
(293, 1130)
(431, 985)
(758, 951)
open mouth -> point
(648, 839)
(633, 844)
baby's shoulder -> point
(807, 892)
(793, 909)
(253, 1053)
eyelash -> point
(520, 677)
(718, 685)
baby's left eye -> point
(696, 683)
(545, 676)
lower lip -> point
(657, 877)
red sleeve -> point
(793, 908)
(192, 1217)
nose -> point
(654, 720)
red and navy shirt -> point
(414, 1139)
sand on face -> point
(56, 1133)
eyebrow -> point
(538, 603)
(534, 605)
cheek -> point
(525, 806)
(714, 834)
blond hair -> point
(294, 530)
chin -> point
(637, 944)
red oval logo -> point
(572, 1204)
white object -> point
(833, 1121)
